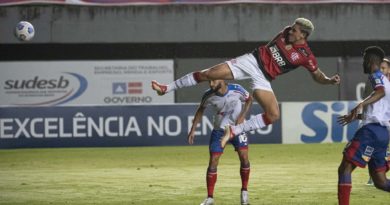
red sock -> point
(211, 179)
(344, 191)
(196, 76)
(266, 119)
(244, 172)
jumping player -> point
(385, 69)
(286, 52)
(226, 100)
(370, 143)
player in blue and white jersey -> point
(385, 69)
(370, 143)
(226, 100)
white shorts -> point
(246, 66)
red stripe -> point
(216, 153)
(350, 153)
(135, 84)
(266, 119)
(135, 91)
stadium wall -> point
(195, 36)
(183, 23)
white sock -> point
(254, 123)
(185, 81)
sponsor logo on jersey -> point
(288, 47)
(294, 56)
(276, 55)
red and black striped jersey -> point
(279, 56)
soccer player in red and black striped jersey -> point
(286, 52)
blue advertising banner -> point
(316, 122)
(108, 126)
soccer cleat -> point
(159, 88)
(208, 201)
(227, 136)
(370, 182)
(244, 198)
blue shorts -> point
(239, 142)
(369, 145)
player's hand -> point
(335, 79)
(191, 137)
(345, 119)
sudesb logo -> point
(61, 83)
(36, 83)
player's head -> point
(305, 26)
(372, 57)
(216, 85)
(385, 67)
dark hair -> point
(375, 50)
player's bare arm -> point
(321, 78)
(354, 114)
(197, 119)
(245, 110)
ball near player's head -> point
(24, 31)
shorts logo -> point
(368, 153)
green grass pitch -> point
(280, 175)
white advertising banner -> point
(316, 122)
(60, 83)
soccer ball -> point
(24, 31)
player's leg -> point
(369, 181)
(240, 144)
(262, 92)
(211, 174)
(378, 164)
(357, 153)
(211, 177)
(380, 180)
(345, 181)
(244, 173)
(267, 100)
(220, 71)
